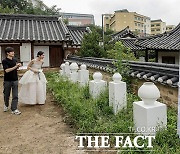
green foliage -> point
(120, 53)
(66, 21)
(90, 45)
(95, 116)
(107, 38)
(6, 10)
(25, 7)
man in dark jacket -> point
(10, 67)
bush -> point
(90, 45)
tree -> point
(90, 45)
(122, 56)
(26, 7)
(6, 10)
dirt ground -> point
(40, 129)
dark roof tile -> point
(166, 41)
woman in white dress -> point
(33, 89)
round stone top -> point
(62, 66)
(67, 63)
(83, 67)
(74, 66)
(149, 93)
(97, 76)
(117, 77)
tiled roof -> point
(166, 41)
(128, 38)
(77, 33)
(166, 74)
(32, 28)
(130, 43)
(125, 33)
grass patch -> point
(95, 116)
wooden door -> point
(56, 55)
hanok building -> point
(128, 38)
(166, 46)
(28, 34)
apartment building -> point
(170, 27)
(157, 27)
(122, 18)
(78, 19)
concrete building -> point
(170, 27)
(78, 19)
(157, 27)
(123, 18)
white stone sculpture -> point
(97, 86)
(74, 74)
(83, 75)
(62, 71)
(149, 115)
(117, 93)
(67, 69)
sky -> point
(167, 10)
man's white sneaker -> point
(5, 108)
(17, 112)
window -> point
(157, 24)
(152, 25)
(152, 30)
(168, 59)
(107, 26)
(157, 29)
(107, 18)
(135, 24)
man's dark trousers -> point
(8, 85)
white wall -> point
(175, 54)
(147, 29)
(45, 49)
(25, 53)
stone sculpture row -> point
(149, 115)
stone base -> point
(148, 119)
(96, 88)
(73, 77)
(83, 77)
(117, 96)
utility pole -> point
(103, 30)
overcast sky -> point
(167, 10)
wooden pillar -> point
(32, 50)
(146, 55)
(156, 56)
(135, 54)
